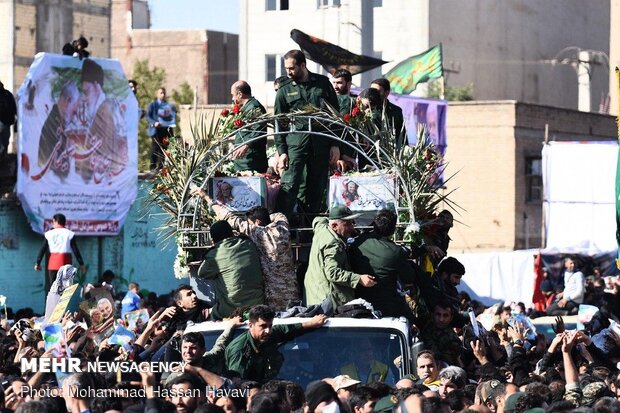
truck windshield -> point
(365, 354)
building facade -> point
(207, 60)
(494, 153)
(507, 50)
(45, 26)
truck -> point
(341, 346)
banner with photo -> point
(78, 144)
(362, 192)
(239, 193)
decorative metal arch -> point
(192, 225)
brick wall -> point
(96, 28)
(488, 143)
(90, 18)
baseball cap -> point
(343, 381)
(342, 212)
(512, 400)
(385, 404)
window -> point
(274, 67)
(533, 179)
(328, 3)
(276, 5)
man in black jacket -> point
(8, 111)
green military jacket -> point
(395, 118)
(234, 265)
(259, 362)
(379, 256)
(346, 103)
(443, 342)
(293, 96)
(256, 157)
(328, 273)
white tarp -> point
(78, 144)
(579, 197)
(499, 276)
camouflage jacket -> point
(273, 242)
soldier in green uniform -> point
(300, 151)
(341, 80)
(251, 156)
(254, 354)
(376, 254)
(370, 100)
(329, 274)
(393, 114)
(440, 338)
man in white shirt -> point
(572, 295)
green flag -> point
(406, 75)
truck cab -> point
(341, 346)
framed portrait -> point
(363, 192)
(239, 193)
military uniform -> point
(328, 272)
(305, 152)
(273, 242)
(256, 361)
(256, 157)
(234, 265)
(394, 115)
(378, 372)
(443, 342)
(379, 256)
(347, 103)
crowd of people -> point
(459, 364)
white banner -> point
(579, 203)
(78, 144)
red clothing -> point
(60, 244)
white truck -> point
(332, 349)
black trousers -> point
(570, 308)
(157, 155)
(50, 277)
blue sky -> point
(220, 15)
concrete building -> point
(494, 149)
(45, 26)
(504, 48)
(207, 60)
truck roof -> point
(382, 323)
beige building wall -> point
(488, 144)
(45, 26)
(206, 60)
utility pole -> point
(584, 75)
(581, 60)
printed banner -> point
(239, 194)
(362, 193)
(431, 112)
(63, 304)
(78, 144)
